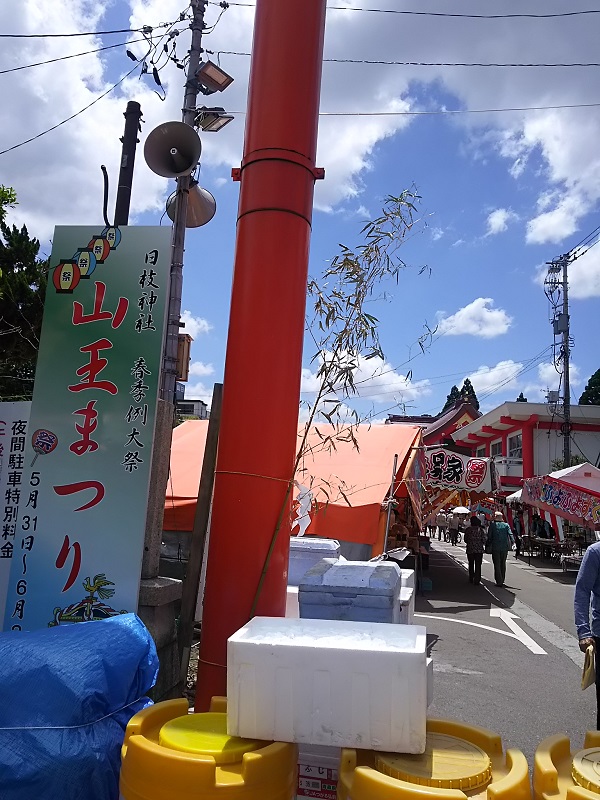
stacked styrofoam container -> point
(329, 682)
(362, 591)
(305, 552)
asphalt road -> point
(505, 658)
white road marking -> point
(509, 620)
(467, 622)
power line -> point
(74, 55)
(437, 63)
(443, 111)
(145, 29)
(455, 63)
(68, 119)
(442, 14)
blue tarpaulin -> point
(66, 696)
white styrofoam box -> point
(305, 552)
(292, 608)
(362, 591)
(329, 682)
(429, 681)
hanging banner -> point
(78, 540)
(555, 497)
(13, 432)
(458, 471)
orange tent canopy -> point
(337, 477)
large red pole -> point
(258, 436)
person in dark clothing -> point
(475, 538)
(500, 540)
(518, 532)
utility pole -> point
(564, 329)
(183, 186)
(558, 279)
(133, 115)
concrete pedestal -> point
(158, 609)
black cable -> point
(441, 14)
(453, 64)
(68, 119)
(145, 29)
(440, 111)
(74, 55)
(436, 63)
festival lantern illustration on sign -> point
(86, 261)
(100, 247)
(43, 442)
(66, 276)
(112, 236)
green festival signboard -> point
(82, 469)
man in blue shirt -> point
(587, 588)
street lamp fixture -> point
(211, 78)
(212, 119)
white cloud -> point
(200, 369)
(194, 325)
(199, 391)
(478, 318)
(436, 234)
(550, 378)
(375, 380)
(558, 147)
(502, 376)
(499, 219)
(584, 275)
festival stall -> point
(562, 507)
(453, 479)
(342, 485)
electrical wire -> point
(74, 55)
(437, 63)
(456, 63)
(68, 119)
(145, 29)
(442, 111)
(441, 13)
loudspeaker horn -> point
(201, 207)
(172, 150)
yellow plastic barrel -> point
(562, 775)
(460, 761)
(169, 754)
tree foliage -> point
(591, 393)
(521, 398)
(559, 463)
(22, 291)
(466, 394)
(452, 399)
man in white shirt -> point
(441, 522)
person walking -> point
(587, 588)
(475, 538)
(454, 527)
(499, 542)
(518, 532)
(441, 522)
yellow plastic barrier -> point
(169, 754)
(460, 762)
(562, 775)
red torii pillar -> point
(258, 436)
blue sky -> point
(502, 193)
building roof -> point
(508, 415)
(446, 421)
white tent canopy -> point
(514, 498)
